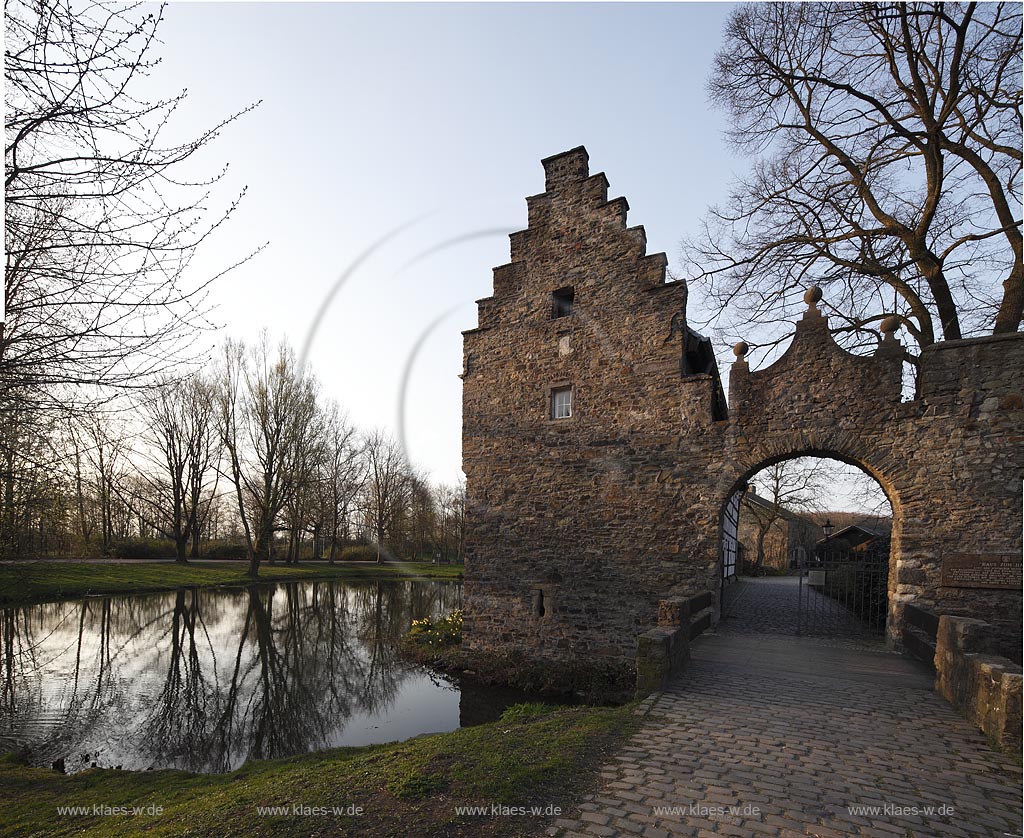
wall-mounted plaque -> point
(982, 570)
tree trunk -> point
(1012, 308)
(761, 533)
(195, 543)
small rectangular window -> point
(561, 302)
(561, 403)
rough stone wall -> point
(573, 507)
(972, 676)
(578, 527)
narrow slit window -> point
(561, 302)
(561, 403)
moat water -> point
(206, 679)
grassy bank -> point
(25, 582)
(533, 756)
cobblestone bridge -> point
(803, 737)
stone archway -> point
(837, 625)
(819, 400)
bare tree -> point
(789, 486)
(204, 455)
(451, 508)
(103, 213)
(345, 474)
(423, 517)
(105, 446)
(388, 487)
(887, 147)
(174, 489)
(34, 492)
(265, 404)
(229, 384)
(302, 508)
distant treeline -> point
(246, 460)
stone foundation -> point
(664, 651)
(983, 686)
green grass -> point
(538, 756)
(25, 582)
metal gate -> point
(844, 594)
(730, 530)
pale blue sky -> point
(377, 115)
(432, 120)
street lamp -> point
(828, 526)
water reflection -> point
(204, 679)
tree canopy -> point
(103, 212)
(886, 149)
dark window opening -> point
(699, 359)
(698, 356)
(561, 302)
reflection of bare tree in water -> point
(285, 715)
(294, 674)
(25, 696)
(143, 684)
(97, 705)
(430, 599)
(386, 610)
(90, 702)
(331, 621)
(376, 614)
(94, 701)
(177, 730)
(17, 645)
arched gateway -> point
(600, 454)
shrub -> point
(444, 631)
(359, 553)
(525, 712)
(157, 549)
(226, 551)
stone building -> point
(789, 538)
(600, 454)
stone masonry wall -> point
(972, 676)
(561, 506)
(578, 527)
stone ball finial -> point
(740, 349)
(812, 296)
(890, 325)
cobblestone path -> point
(769, 605)
(802, 737)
